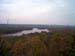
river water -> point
(27, 32)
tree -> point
(30, 47)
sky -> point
(52, 12)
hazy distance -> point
(52, 12)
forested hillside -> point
(55, 43)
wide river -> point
(27, 32)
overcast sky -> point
(59, 12)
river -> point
(27, 32)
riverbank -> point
(34, 30)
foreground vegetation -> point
(55, 43)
